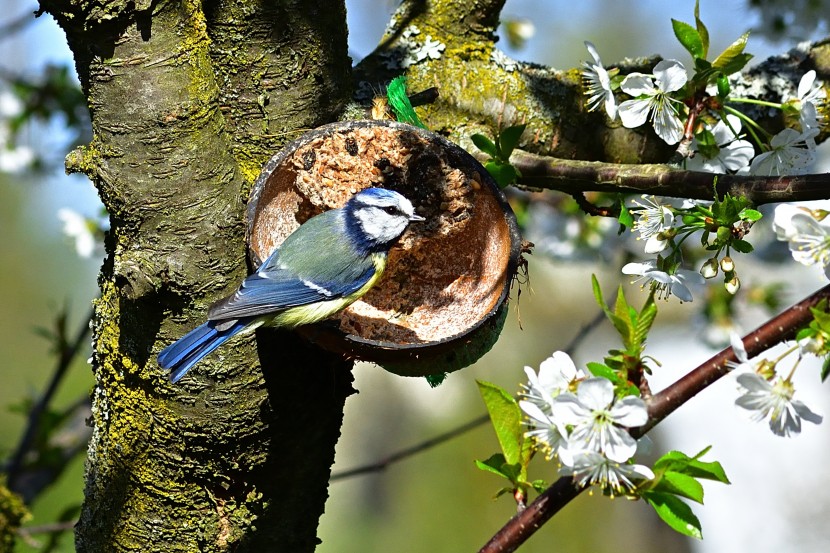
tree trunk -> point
(188, 100)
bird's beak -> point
(414, 218)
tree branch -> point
(780, 328)
(575, 177)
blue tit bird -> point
(325, 265)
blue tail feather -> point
(180, 356)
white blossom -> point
(810, 91)
(598, 84)
(556, 374)
(653, 220)
(732, 154)
(808, 238)
(77, 227)
(654, 103)
(663, 282)
(599, 419)
(590, 468)
(791, 153)
(774, 401)
(547, 432)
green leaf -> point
(625, 218)
(689, 37)
(493, 464)
(674, 512)
(598, 293)
(484, 144)
(645, 320)
(805, 333)
(506, 417)
(622, 319)
(742, 246)
(539, 485)
(825, 368)
(509, 139)
(400, 104)
(503, 173)
(693, 466)
(723, 86)
(603, 371)
(701, 30)
(750, 214)
(733, 58)
(681, 484)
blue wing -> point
(316, 263)
(266, 294)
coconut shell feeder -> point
(442, 301)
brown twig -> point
(781, 328)
(383, 464)
(576, 177)
(66, 355)
(592, 209)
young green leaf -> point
(506, 417)
(701, 30)
(485, 144)
(750, 214)
(674, 512)
(644, 321)
(493, 464)
(509, 139)
(503, 173)
(742, 246)
(825, 369)
(693, 466)
(733, 58)
(689, 37)
(680, 484)
(625, 218)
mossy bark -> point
(188, 99)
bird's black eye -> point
(391, 210)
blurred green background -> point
(439, 501)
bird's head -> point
(378, 216)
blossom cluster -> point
(582, 422)
(717, 145)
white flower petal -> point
(637, 84)
(630, 411)
(595, 393)
(634, 113)
(670, 75)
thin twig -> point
(574, 176)
(51, 528)
(383, 464)
(781, 328)
(67, 354)
(592, 209)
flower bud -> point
(727, 264)
(732, 285)
(710, 268)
